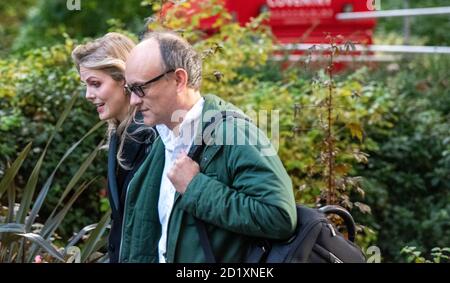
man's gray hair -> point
(177, 53)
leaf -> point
(12, 228)
(361, 192)
(345, 92)
(97, 256)
(335, 50)
(218, 75)
(11, 251)
(77, 237)
(74, 254)
(103, 259)
(53, 223)
(85, 164)
(361, 157)
(29, 191)
(341, 169)
(437, 260)
(35, 238)
(356, 131)
(12, 171)
(364, 208)
(95, 236)
(11, 203)
(44, 191)
(355, 94)
(32, 180)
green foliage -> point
(49, 19)
(409, 175)
(21, 237)
(34, 92)
(439, 255)
(358, 104)
(333, 114)
(12, 14)
(432, 30)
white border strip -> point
(341, 58)
(374, 48)
(393, 13)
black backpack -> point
(315, 240)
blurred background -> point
(392, 127)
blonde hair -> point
(108, 54)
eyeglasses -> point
(139, 89)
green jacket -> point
(240, 194)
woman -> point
(101, 65)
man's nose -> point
(135, 100)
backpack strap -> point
(197, 149)
(204, 241)
(194, 153)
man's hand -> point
(182, 172)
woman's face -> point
(106, 94)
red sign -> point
(301, 21)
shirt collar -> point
(187, 127)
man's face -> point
(159, 100)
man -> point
(239, 193)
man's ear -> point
(181, 78)
(123, 83)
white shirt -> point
(174, 145)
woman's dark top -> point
(118, 179)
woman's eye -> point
(95, 84)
